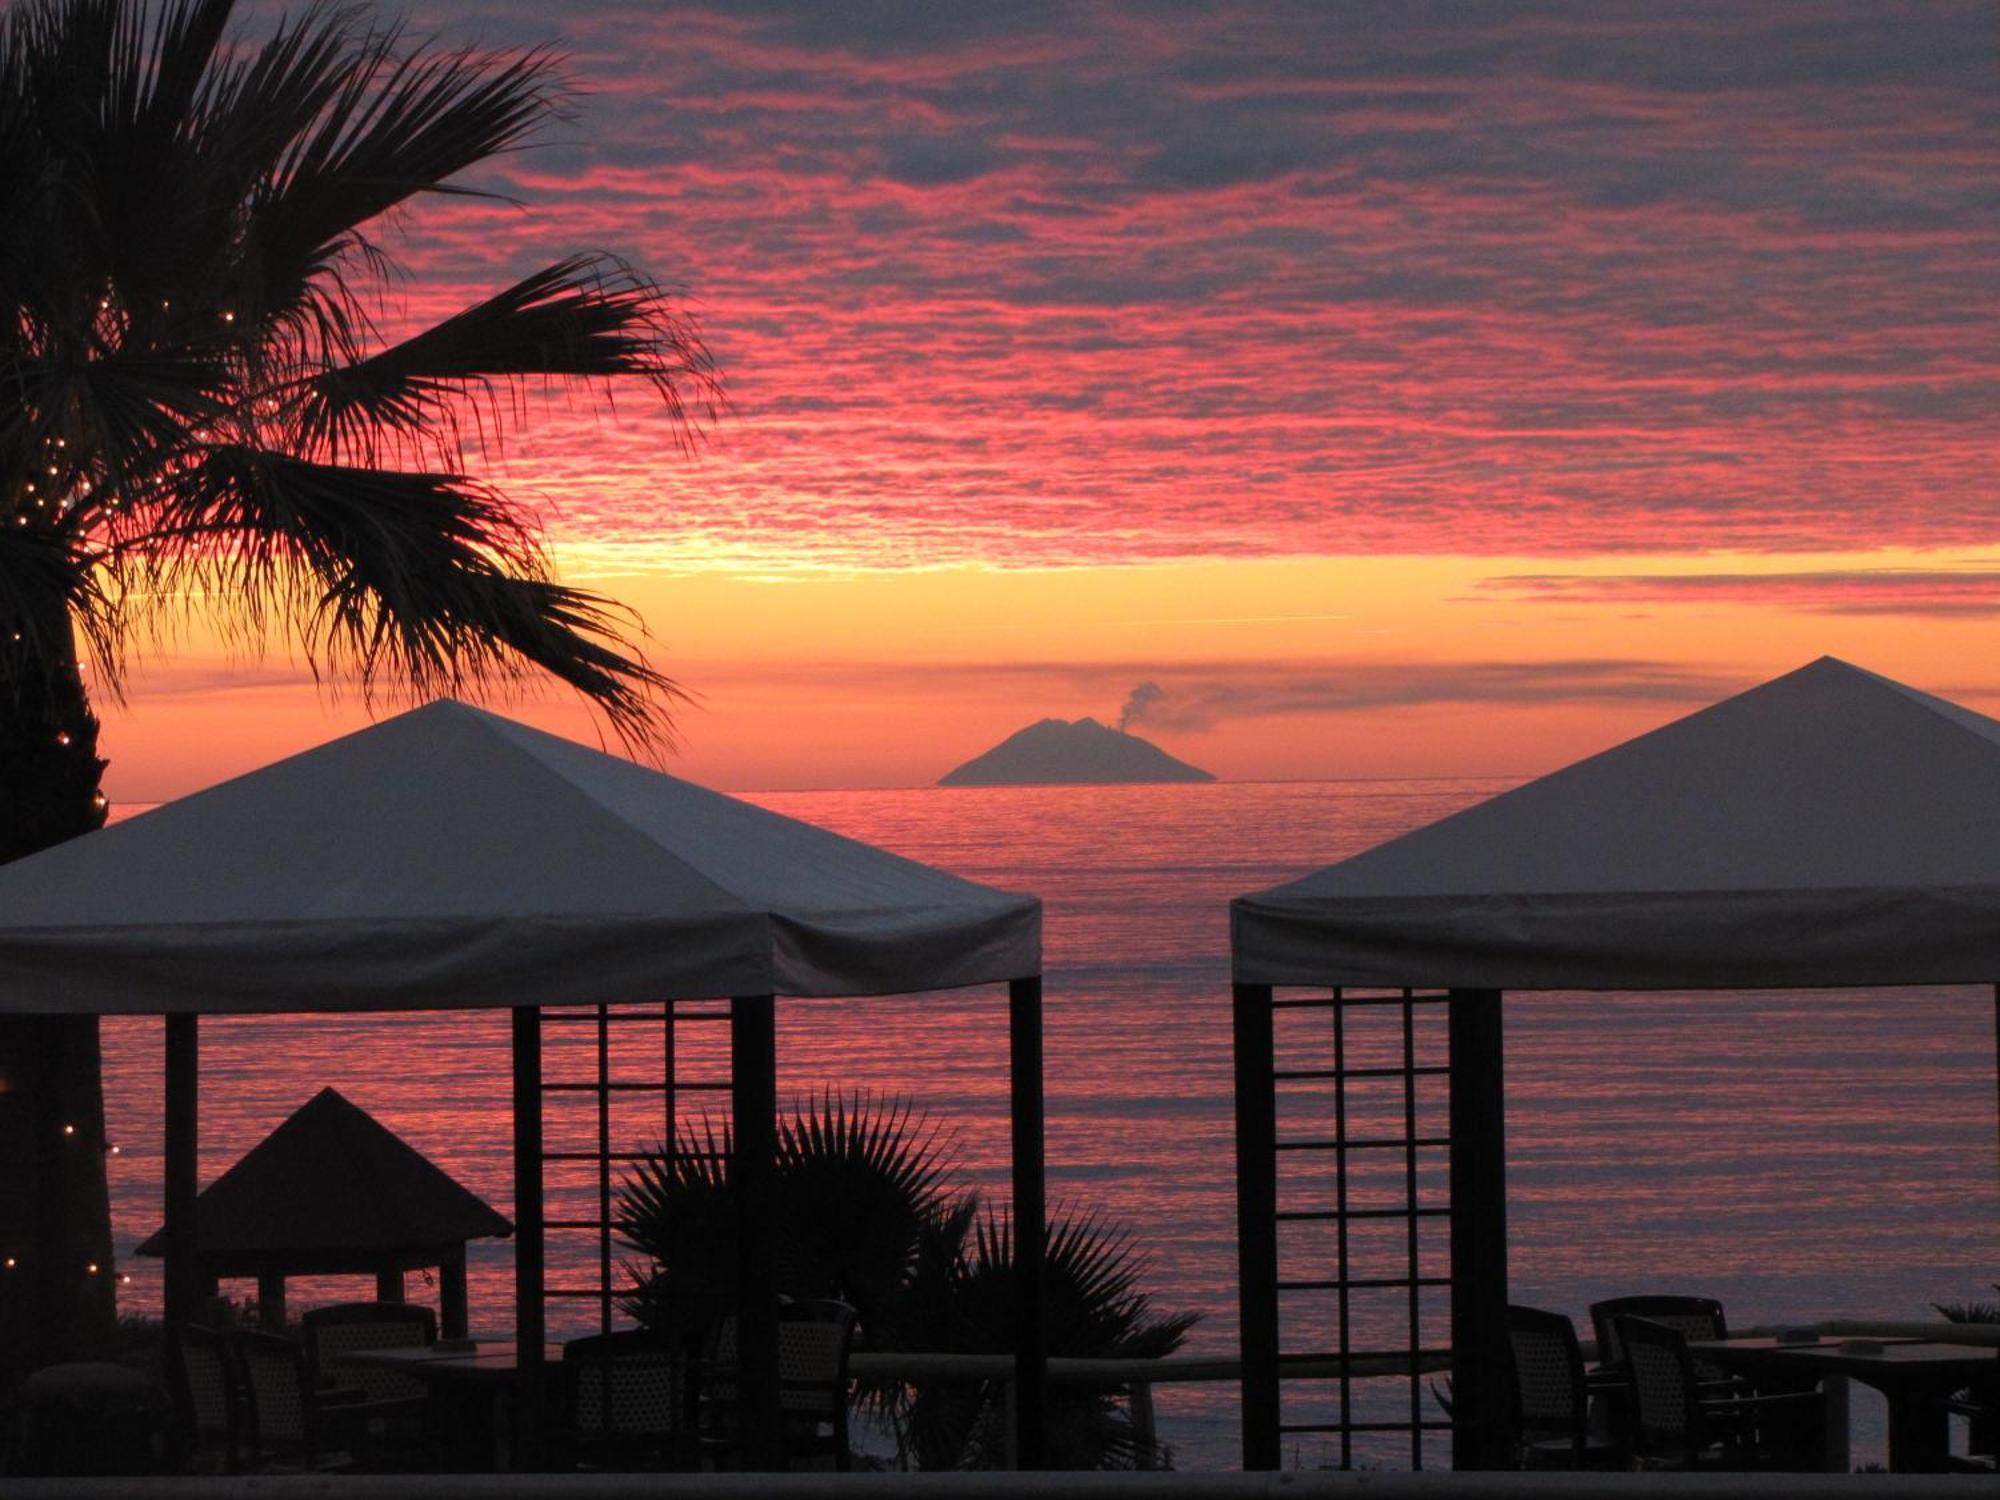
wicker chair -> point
(1680, 1425)
(628, 1403)
(814, 1340)
(347, 1327)
(289, 1422)
(1552, 1396)
(208, 1402)
(389, 1423)
(1692, 1317)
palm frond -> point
(586, 316)
(1970, 1312)
(399, 124)
(42, 590)
(420, 582)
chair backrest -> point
(814, 1340)
(1549, 1388)
(632, 1383)
(346, 1327)
(1692, 1317)
(202, 1376)
(1666, 1408)
(277, 1386)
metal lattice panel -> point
(664, 1076)
(1363, 1180)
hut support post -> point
(1479, 1361)
(529, 1266)
(183, 1087)
(1031, 1344)
(1257, 1223)
(389, 1284)
(271, 1300)
(453, 1318)
(753, 1107)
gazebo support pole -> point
(530, 1328)
(753, 1108)
(1479, 1362)
(453, 1317)
(1257, 1223)
(183, 1085)
(1031, 1217)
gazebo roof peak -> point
(1830, 796)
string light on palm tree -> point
(199, 410)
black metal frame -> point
(669, 1016)
(752, 1087)
(1475, 1211)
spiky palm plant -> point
(199, 410)
(962, 1300)
(865, 1210)
(859, 1181)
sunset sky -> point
(1401, 388)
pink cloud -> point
(1093, 282)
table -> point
(469, 1389)
(1913, 1375)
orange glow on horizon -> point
(1269, 670)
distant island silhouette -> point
(1057, 752)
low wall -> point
(1285, 1486)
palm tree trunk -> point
(57, 1278)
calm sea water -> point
(1800, 1155)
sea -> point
(1800, 1155)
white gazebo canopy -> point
(1830, 827)
(452, 859)
(449, 858)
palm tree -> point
(198, 410)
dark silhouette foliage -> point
(867, 1211)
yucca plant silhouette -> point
(961, 1299)
(867, 1210)
(859, 1181)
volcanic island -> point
(1063, 752)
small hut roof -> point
(334, 1179)
(1830, 827)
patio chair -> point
(393, 1406)
(1692, 1317)
(814, 1341)
(628, 1403)
(1982, 1413)
(1552, 1396)
(208, 1401)
(291, 1423)
(1679, 1426)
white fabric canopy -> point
(449, 858)
(1830, 827)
